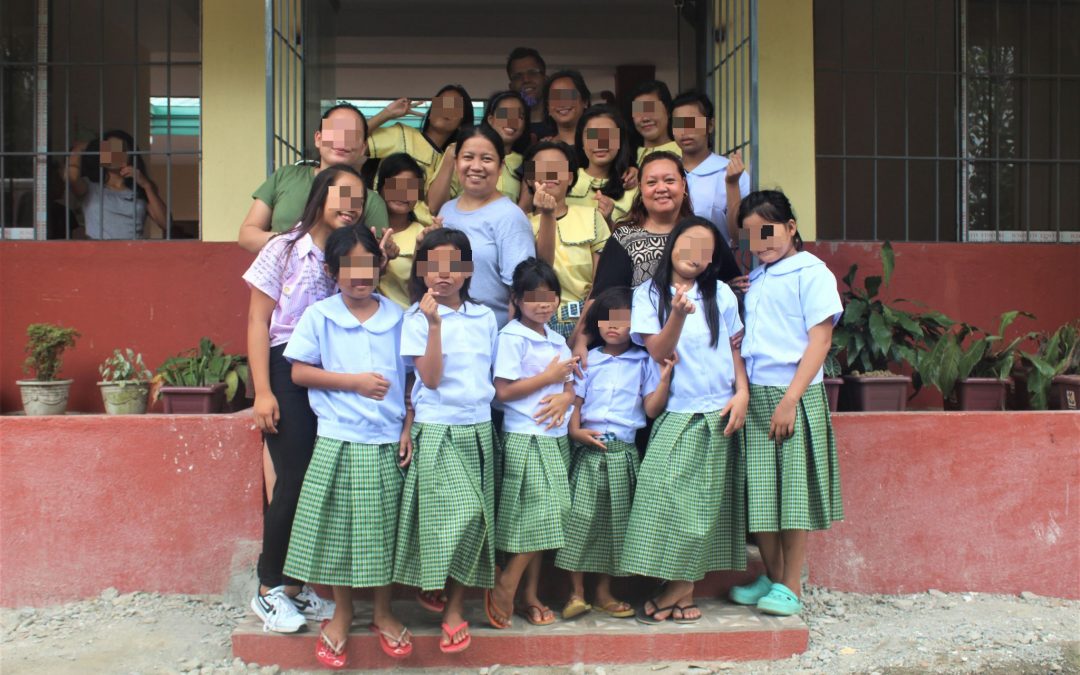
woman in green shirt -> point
(278, 203)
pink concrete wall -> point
(955, 501)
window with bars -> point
(947, 120)
(73, 70)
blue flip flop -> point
(780, 601)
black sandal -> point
(682, 612)
(649, 618)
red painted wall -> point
(161, 297)
(955, 501)
(141, 503)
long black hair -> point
(316, 201)
(528, 172)
(623, 158)
(439, 237)
(616, 297)
(522, 142)
(707, 280)
(771, 205)
(397, 163)
(91, 162)
(343, 240)
(531, 274)
(467, 114)
(579, 84)
(663, 93)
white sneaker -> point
(314, 608)
(277, 611)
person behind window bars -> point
(116, 193)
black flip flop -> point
(649, 618)
(683, 609)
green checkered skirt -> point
(601, 492)
(446, 528)
(534, 497)
(689, 511)
(794, 486)
(346, 521)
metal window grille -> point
(59, 54)
(284, 83)
(947, 120)
(732, 77)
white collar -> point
(714, 163)
(385, 317)
(598, 355)
(515, 327)
(794, 263)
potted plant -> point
(873, 335)
(1053, 380)
(125, 383)
(971, 367)
(200, 380)
(45, 395)
(832, 378)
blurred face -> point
(447, 111)
(340, 139)
(344, 201)
(444, 272)
(112, 154)
(401, 192)
(615, 330)
(538, 306)
(527, 78)
(690, 129)
(359, 275)
(692, 252)
(508, 120)
(662, 187)
(770, 241)
(601, 140)
(478, 166)
(565, 104)
(551, 168)
(650, 117)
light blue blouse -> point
(614, 389)
(521, 353)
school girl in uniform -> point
(650, 109)
(506, 114)
(451, 109)
(566, 96)
(499, 231)
(622, 385)
(534, 384)
(605, 155)
(688, 515)
(793, 476)
(344, 351)
(568, 237)
(400, 182)
(446, 527)
(286, 278)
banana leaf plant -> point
(1057, 354)
(202, 366)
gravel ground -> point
(930, 632)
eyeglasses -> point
(522, 74)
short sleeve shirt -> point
(394, 282)
(113, 214)
(614, 391)
(671, 146)
(521, 353)
(580, 233)
(582, 193)
(704, 378)
(292, 276)
(786, 299)
(465, 392)
(329, 336)
(707, 184)
(286, 192)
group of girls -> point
(458, 389)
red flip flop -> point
(454, 648)
(398, 652)
(492, 612)
(432, 601)
(329, 654)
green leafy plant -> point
(967, 351)
(44, 346)
(871, 334)
(1057, 354)
(832, 362)
(203, 366)
(124, 366)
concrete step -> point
(725, 633)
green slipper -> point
(780, 601)
(751, 593)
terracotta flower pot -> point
(832, 391)
(44, 398)
(125, 397)
(875, 393)
(981, 393)
(1065, 393)
(194, 400)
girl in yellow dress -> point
(604, 152)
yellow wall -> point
(233, 113)
(786, 105)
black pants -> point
(290, 450)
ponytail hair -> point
(772, 206)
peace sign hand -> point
(403, 106)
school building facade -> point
(948, 127)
